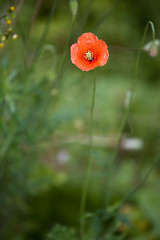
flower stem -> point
(86, 180)
(134, 191)
(43, 37)
(141, 47)
(128, 109)
(140, 184)
(107, 13)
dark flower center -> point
(88, 55)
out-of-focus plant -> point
(39, 105)
(60, 233)
(6, 26)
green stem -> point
(62, 63)
(86, 180)
(133, 192)
(44, 34)
(85, 16)
(149, 23)
(133, 81)
(108, 12)
(57, 83)
(124, 121)
(139, 185)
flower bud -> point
(10, 30)
(74, 7)
(12, 8)
(152, 48)
(3, 38)
(15, 36)
(9, 22)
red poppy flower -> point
(89, 52)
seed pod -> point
(10, 30)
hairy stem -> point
(86, 180)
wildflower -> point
(9, 22)
(89, 52)
(15, 36)
(1, 45)
(12, 8)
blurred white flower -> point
(134, 144)
(62, 157)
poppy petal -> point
(76, 58)
(103, 53)
(87, 40)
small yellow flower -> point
(15, 36)
(12, 8)
(9, 21)
(1, 45)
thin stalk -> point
(135, 77)
(34, 17)
(57, 83)
(61, 67)
(149, 23)
(108, 12)
(44, 34)
(85, 16)
(86, 180)
(133, 81)
(18, 7)
(139, 185)
(30, 65)
(124, 121)
(133, 192)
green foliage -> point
(60, 233)
(44, 116)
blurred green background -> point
(44, 121)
